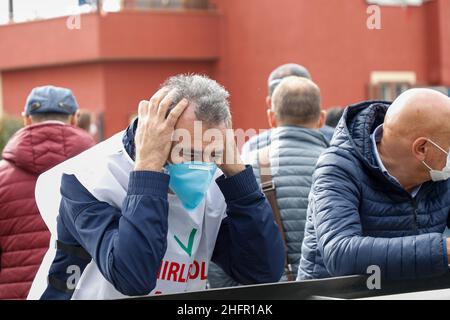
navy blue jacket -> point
(359, 217)
(128, 248)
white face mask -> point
(439, 175)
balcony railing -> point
(166, 4)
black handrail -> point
(351, 287)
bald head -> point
(416, 123)
(297, 101)
(419, 112)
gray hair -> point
(297, 99)
(209, 98)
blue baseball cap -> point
(50, 99)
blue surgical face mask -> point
(190, 181)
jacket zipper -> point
(414, 203)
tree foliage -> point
(8, 126)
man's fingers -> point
(143, 109)
(156, 100)
(165, 104)
(176, 112)
(142, 113)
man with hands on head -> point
(144, 207)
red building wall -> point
(111, 63)
(330, 37)
(127, 83)
(85, 80)
(114, 61)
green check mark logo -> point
(187, 249)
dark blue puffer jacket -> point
(358, 217)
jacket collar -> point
(356, 127)
(128, 139)
(312, 136)
(354, 132)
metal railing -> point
(166, 4)
(350, 287)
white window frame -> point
(397, 3)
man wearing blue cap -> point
(49, 137)
(50, 103)
(262, 140)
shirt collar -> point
(376, 138)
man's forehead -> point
(187, 118)
(188, 121)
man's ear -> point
(271, 118)
(322, 119)
(269, 102)
(26, 120)
(73, 119)
(420, 148)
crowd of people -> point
(171, 204)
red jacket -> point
(24, 237)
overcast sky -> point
(31, 9)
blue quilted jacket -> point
(359, 217)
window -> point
(389, 85)
(443, 90)
(397, 2)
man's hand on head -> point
(154, 132)
(231, 163)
